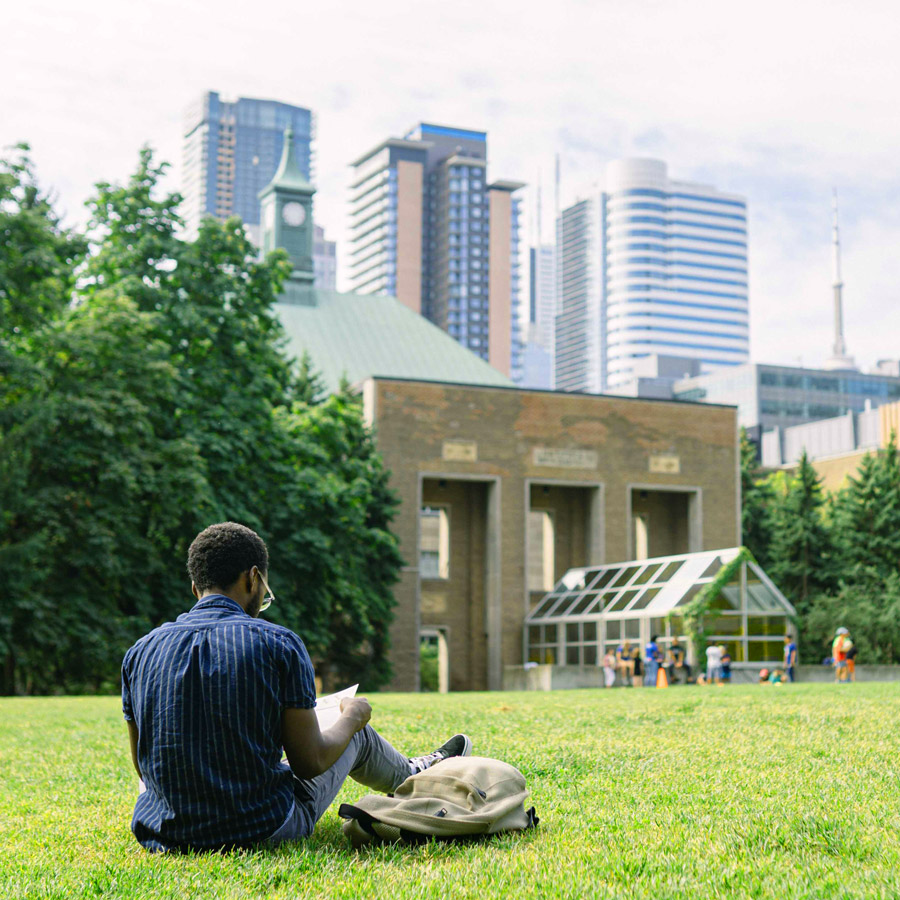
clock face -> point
(293, 213)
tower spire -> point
(839, 359)
(839, 346)
(289, 173)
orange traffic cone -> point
(661, 680)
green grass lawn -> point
(688, 793)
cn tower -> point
(839, 360)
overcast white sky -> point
(779, 101)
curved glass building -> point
(654, 266)
(676, 270)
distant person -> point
(790, 656)
(763, 676)
(839, 654)
(852, 650)
(777, 677)
(609, 668)
(726, 665)
(677, 662)
(637, 672)
(713, 664)
(214, 699)
(625, 663)
(652, 659)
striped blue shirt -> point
(207, 693)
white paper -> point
(328, 708)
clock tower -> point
(286, 214)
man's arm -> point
(309, 750)
(133, 739)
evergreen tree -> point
(756, 499)
(800, 549)
(867, 518)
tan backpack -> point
(460, 797)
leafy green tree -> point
(37, 275)
(39, 256)
(104, 500)
(300, 470)
(800, 548)
(214, 301)
(756, 499)
(161, 402)
(346, 590)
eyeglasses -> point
(269, 597)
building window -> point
(434, 542)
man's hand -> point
(358, 710)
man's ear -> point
(252, 572)
(194, 590)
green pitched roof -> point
(363, 336)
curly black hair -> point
(220, 553)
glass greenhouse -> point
(594, 609)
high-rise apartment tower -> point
(428, 228)
(650, 266)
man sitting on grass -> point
(212, 698)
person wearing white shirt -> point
(713, 664)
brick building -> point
(503, 490)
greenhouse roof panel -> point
(653, 587)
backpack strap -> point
(379, 831)
(367, 822)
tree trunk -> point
(8, 675)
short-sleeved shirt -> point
(651, 652)
(677, 652)
(206, 693)
(789, 650)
